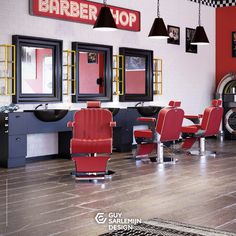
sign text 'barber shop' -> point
(84, 12)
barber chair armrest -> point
(191, 116)
(70, 124)
(112, 124)
(146, 119)
(195, 119)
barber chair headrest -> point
(94, 104)
(216, 103)
(174, 103)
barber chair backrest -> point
(169, 122)
(211, 119)
(92, 123)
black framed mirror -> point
(138, 76)
(38, 69)
(93, 72)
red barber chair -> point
(166, 129)
(209, 126)
(92, 135)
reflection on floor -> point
(44, 200)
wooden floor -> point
(44, 200)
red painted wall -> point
(135, 82)
(225, 25)
(89, 73)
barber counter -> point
(15, 126)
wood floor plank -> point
(43, 199)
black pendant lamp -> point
(105, 20)
(158, 29)
(200, 37)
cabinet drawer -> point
(17, 123)
(17, 146)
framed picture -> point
(174, 34)
(234, 44)
(92, 58)
(189, 36)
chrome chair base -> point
(199, 153)
(202, 150)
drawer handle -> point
(17, 139)
(17, 116)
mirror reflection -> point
(36, 70)
(135, 75)
(91, 72)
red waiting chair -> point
(92, 135)
(166, 129)
(209, 126)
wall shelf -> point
(119, 74)
(7, 69)
(157, 76)
(69, 63)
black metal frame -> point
(108, 52)
(148, 54)
(57, 47)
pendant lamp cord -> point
(105, 2)
(158, 9)
(199, 13)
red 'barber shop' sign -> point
(84, 12)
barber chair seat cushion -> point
(91, 145)
(143, 133)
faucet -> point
(40, 105)
(139, 103)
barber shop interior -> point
(117, 117)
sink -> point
(147, 111)
(50, 115)
(114, 111)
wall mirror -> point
(138, 75)
(38, 69)
(93, 72)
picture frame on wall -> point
(92, 58)
(234, 44)
(188, 39)
(174, 34)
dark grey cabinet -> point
(14, 128)
(17, 123)
(13, 140)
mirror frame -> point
(148, 54)
(57, 47)
(108, 52)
